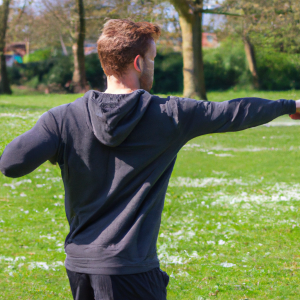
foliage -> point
(94, 72)
(278, 71)
(272, 24)
(38, 55)
(225, 67)
(24, 73)
(56, 70)
(60, 71)
(168, 77)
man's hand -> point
(296, 116)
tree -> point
(59, 24)
(70, 16)
(278, 27)
(250, 17)
(76, 20)
(250, 55)
(79, 78)
(268, 24)
(4, 11)
(190, 18)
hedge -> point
(224, 68)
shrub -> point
(278, 71)
(60, 71)
(224, 67)
(94, 72)
(168, 75)
(38, 55)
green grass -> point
(230, 226)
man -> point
(116, 151)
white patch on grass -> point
(183, 258)
(183, 273)
(22, 181)
(44, 265)
(12, 259)
(199, 148)
(220, 172)
(49, 237)
(208, 181)
(54, 179)
(282, 123)
(19, 261)
(23, 116)
(180, 232)
(280, 192)
(227, 265)
(224, 155)
(10, 185)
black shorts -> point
(151, 285)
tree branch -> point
(218, 12)
(182, 7)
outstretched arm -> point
(203, 117)
(29, 150)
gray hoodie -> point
(116, 154)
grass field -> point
(230, 226)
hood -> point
(114, 116)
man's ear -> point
(138, 63)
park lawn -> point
(230, 226)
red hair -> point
(121, 41)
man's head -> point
(129, 47)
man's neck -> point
(122, 85)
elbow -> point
(2, 168)
(8, 171)
(4, 171)
(8, 168)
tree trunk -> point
(198, 57)
(4, 84)
(79, 77)
(189, 88)
(191, 28)
(250, 55)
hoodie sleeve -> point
(31, 149)
(203, 117)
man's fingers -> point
(295, 116)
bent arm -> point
(31, 149)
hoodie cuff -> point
(290, 107)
